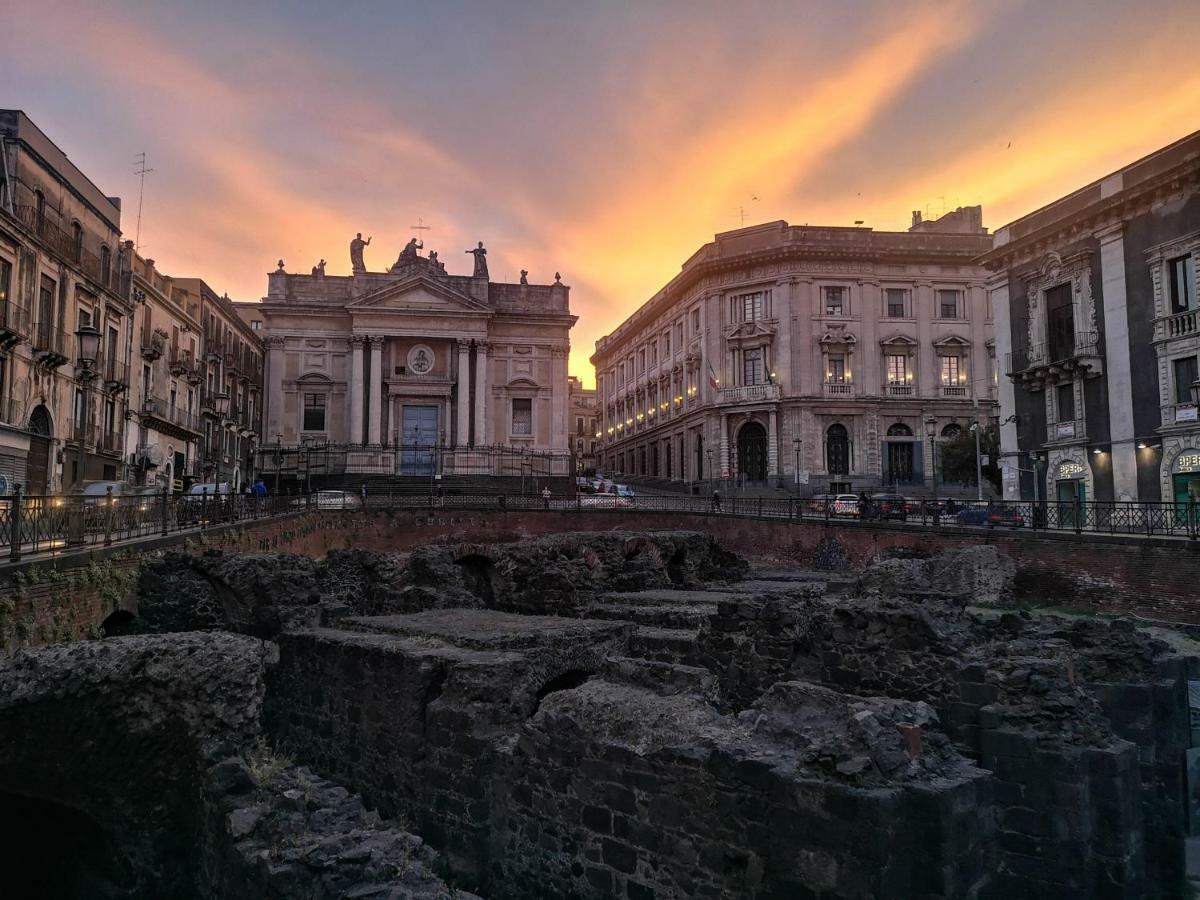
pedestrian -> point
(716, 501)
(363, 493)
(546, 496)
(441, 499)
(864, 505)
(260, 489)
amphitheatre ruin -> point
(353, 708)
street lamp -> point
(978, 463)
(221, 407)
(708, 453)
(1194, 389)
(931, 431)
(88, 350)
(796, 442)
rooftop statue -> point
(480, 261)
(524, 276)
(356, 253)
(435, 263)
(319, 269)
(411, 248)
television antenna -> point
(140, 170)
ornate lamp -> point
(1194, 389)
(88, 339)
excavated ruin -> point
(602, 715)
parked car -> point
(624, 490)
(887, 506)
(990, 515)
(205, 500)
(845, 505)
(338, 500)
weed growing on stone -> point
(265, 764)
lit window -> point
(836, 371)
(835, 301)
(522, 416)
(951, 370)
(314, 412)
(897, 368)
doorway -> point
(418, 438)
(1067, 493)
(752, 452)
(37, 463)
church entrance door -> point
(418, 439)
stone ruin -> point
(599, 715)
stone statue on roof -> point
(524, 276)
(434, 263)
(356, 253)
(480, 261)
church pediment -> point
(420, 293)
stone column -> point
(783, 362)
(773, 443)
(724, 445)
(1117, 373)
(1010, 452)
(356, 389)
(558, 398)
(462, 431)
(274, 417)
(481, 364)
(375, 420)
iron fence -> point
(37, 524)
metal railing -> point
(14, 318)
(50, 340)
(39, 524)
(61, 242)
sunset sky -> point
(605, 140)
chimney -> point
(916, 218)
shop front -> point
(1070, 491)
(1185, 476)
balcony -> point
(62, 243)
(1073, 430)
(1044, 365)
(954, 391)
(1184, 324)
(899, 390)
(95, 435)
(183, 365)
(839, 389)
(115, 375)
(14, 324)
(749, 393)
(161, 410)
(10, 412)
(49, 345)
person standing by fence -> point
(546, 496)
(716, 501)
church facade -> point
(415, 370)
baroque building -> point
(60, 424)
(812, 357)
(582, 422)
(414, 369)
(1098, 322)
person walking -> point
(363, 493)
(716, 501)
(546, 496)
(864, 505)
(441, 498)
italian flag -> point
(712, 377)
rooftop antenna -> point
(141, 172)
(742, 216)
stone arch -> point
(837, 449)
(38, 461)
(899, 429)
(752, 451)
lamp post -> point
(88, 349)
(796, 446)
(221, 408)
(931, 431)
(978, 463)
(708, 453)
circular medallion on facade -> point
(420, 360)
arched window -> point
(951, 431)
(105, 264)
(899, 430)
(76, 241)
(837, 450)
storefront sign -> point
(1070, 469)
(1064, 430)
(1185, 414)
(1188, 461)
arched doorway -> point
(37, 464)
(900, 467)
(837, 450)
(752, 452)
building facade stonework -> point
(401, 365)
(1098, 322)
(582, 423)
(810, 357)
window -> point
(666, 345)
(951, 370)
(678, 334)
(256, 324)
(579, 424)
(641, 360)
(948, 304)
(76, 241)
(5, 282)
(1183, 284)
(836, 371)
(897, 368)
(41, 210)
(1064, 398)
(314, 412)
(105, 265)
(696, 321)
(522, 416)
(835, 301)
(895, 302)
(1185, 374)
(837, 450)
(653, 354)
(751, 306)
(752, 366)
